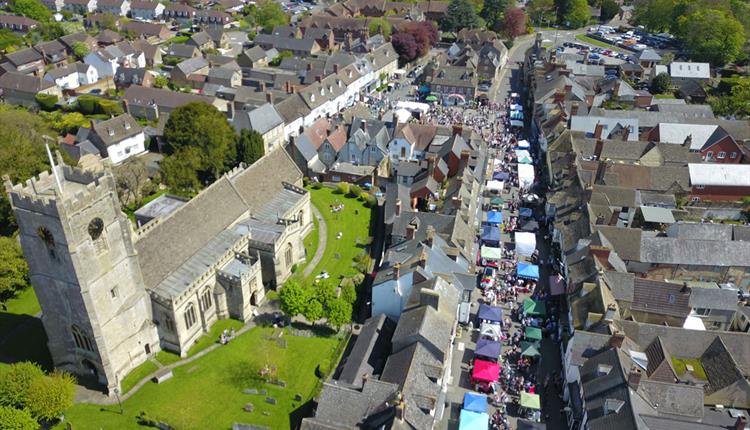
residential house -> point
(212, 18)
(367, 145)
(712, 141)
(26, 61)
(100, 21)
(201, 40)
(72, 76)
(152, 53)
(118, 138)
(20, 89)
(492, 57)
(226, 76)
(648, 58)
(79, 7)
(181, 13)
(146, 10)
(152, 32)
(410, 141)
(219, 37)
(328, 151)
(183, 51)
(53, 5)
(266, 121)
(127, 76)
(18, 24)
(719, 182)
(715, 306)
(108, 37)
(253, 57)
(53, 52)
(108, 60)
(70, 40)
(680, 70)
(151, 103)
(187, 71)
(114, 7)
(298, 47)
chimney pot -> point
(269, 97)
(616, 340)
(598, 130)
(634, 378)
(411, 231)
(398, 207)
(396, 271)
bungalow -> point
(719, 182)
(108, 37)
(26, 61)
(146, 30)
(118, 138)
(266, 121)
(79, 7)
(298, 47)
(18, 24)
(253, 57)
(72, 76)
(21, 89)
(183, 51)
(146, 10)
(114, 7)
(53, 52)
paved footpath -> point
(322, 242)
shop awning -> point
(490, 253)
(523, 144)
(533, 333)
(488, 348)
(523, 156)
(501, 176)
(534, 308)
(525, 243)
(475, 402)
(494, 217)
(556, 285)
(490, 313)
(473, 420)
(496, 201)
(485, 371)
(490, 233)
(495, 185)
(530, 349)
(528, 271)
(530, 401)
(526, 175)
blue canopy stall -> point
(528, 271)
(494, 217)
(501, 176)
(490, 313)
(490, 235)
(488, 348)
(526, 212)
(473, 420)
(475, 402)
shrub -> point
(17, 419)
(371, 201)
(86, 104)
(317, 185)
(342, 188)
(349, 292)
(46, 101)
(305, 181)
(355, 191)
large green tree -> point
(13, 268)
(339, 313)
(541, 11)
(380, 26)
(15, 382)
(180, 171)
(736, 102)
(609, 8)
(269, 14)
(250, 146)
(578, 15)
(661, 83)
(713, 36)
(33, 9)
(16, 419)
(313, 311)
(49, 396)
(293, 298)
(460, 15)
(201, 126)
(492, 13)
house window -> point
(288, 255)
(403, 152)
(702, 311)
(81, 339)
(721, 155)
(190, 316)
(169, 322)
(700, 187)
(205, 301)
(733, 155)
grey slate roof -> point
(192, 65)
(369, 352)
(713, 298)
(341, 408)
(427, 323)
(117, 129)
(261, 119)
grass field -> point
(311, 241)
(591, 41)
(136, 375)
(354, 224)
(208, 393)
(22, 335)
(680, 367)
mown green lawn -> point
(136, 375)
(207, 393)
(354, 224)
(22, 335)
(311, 241)
(599, 43)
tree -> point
(661, 83)
(14, 272)
(107, 21)
(712, 36)
(339, 313)
(80, 50)
(348, 291)
(609, 8)
(51, 30)
(46, 101)
(578, 15)
(269, 14)
(313, 311)
(201, 126)
(17, 419)
(49, 396)
(515, 21)
(541, 11)
(131, 178)
(180, 171)
(734, 103)
(9, 40)
(460, 15)
(380, 26)
(405, 45)
(293, 297)
(33, 9)
(492, 13)
(325, 292)
(250, 146)
(655, 15)
(161, 81)
(15, 382)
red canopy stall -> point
(485, 371)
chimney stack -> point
(465, 154)
(269, 97)
(574, 109)
(411, 231)
(318, 78)
(457, 129)
(363, 125)
(335, 68)
(430, 235)
(262, 87)
(634, 378)
(559, 97)
(400, 409)
(741, 423)
(398, 207)
(625, 134)
(423, 258)
(616, 340)
(598, 130)
(598, 147)
(396, 271)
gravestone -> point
(298, 397)
(250, 391)
(248, 407)
(270, 400)
(263, 392)
(162, 375)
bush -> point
(342, 188)
(371, 201)
(86, 104)
(349, 292)
(317, 185)
(91, 105)
(305, 181)
(355, 191)
(17, 419)
(46, 101)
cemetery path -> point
(322, 242)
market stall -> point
(490, 235)
(532, 333)
(534, 308)
(530, 349)
(525, 243)
(485, 371)
(494, 217)
(501, 176)
(490, 256)
(525, 175)
(488, 348)
(487, 313)
(490, 331)
(475, 402)
(528, 271)
(523, 156)
(495, 186)
(473, 420)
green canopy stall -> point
(533, 333)
(534, 308)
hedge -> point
(91, 105)
(46, 101)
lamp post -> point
(117, 395)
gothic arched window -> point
(81, 339)
(96, 227)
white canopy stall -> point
(525, 243)
(525, 175)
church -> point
(112, 295)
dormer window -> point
(322, 91)
(330, 88)
(312, 97)
(339, 83)
(110, 132)
(127, 126)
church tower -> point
(85, 272)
